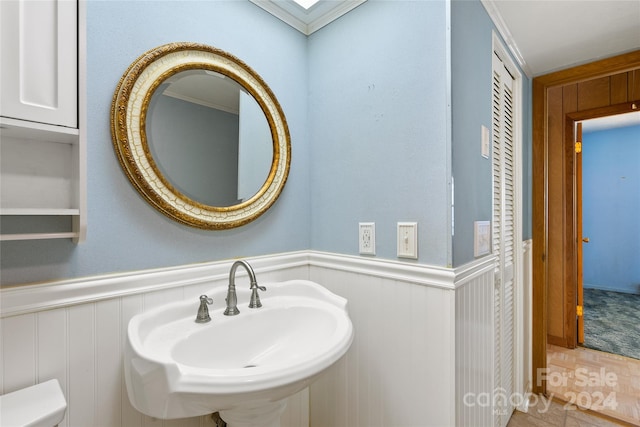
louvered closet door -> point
(503, 239)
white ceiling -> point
(549, 35)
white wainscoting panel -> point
(476, 360)
(475, 346)
(400, 368)
(526, 334)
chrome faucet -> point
(232, 299)
(203, 310)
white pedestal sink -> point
(243, 366)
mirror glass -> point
(209, 137)
(200, 136)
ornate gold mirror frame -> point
(128, 122)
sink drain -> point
(250, 366)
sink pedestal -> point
(267, 415)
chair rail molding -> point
(23, 299)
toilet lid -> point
(41, 405)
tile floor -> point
(606, 383)
(547, 413)
(582, 375)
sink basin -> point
(243, 366)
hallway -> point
(605, 382)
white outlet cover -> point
(485, 142)
(408, 240)
(481, 238)
(367, 238)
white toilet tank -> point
(41, 405)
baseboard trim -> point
(619, 290)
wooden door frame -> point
(577, 126)
(540, 208)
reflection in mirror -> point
(209, 137)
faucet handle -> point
(254, 302)
(203, 310)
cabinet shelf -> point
(38, 211)
(38, 224)
(38, 236)
(35, 131)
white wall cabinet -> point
(42, 123)
(39, 61)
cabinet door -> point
(39, 61)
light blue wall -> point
(378, 128)
(471, 77)
(368, 103)
(611, 204)
(124, 232)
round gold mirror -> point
(200, 135)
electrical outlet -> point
(408, 240)
(481, 238)
(367, 238)
(485, 142)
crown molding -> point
(501, 26)
(309, 20)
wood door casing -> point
(559, 99)
(579, 239)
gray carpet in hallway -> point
(612, 322)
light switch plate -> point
(481, 238)
(485, 142)
(408, 240)
(367, 238)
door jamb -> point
(540, 85)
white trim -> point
(23, 299)
(332, 15)
(307, 21)
(80, 221)
(449, 137)
(38, 131)
(418, 274)
(468, 272)
(526, 331)
(38, 236)
(502, 28)
(283, 15)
